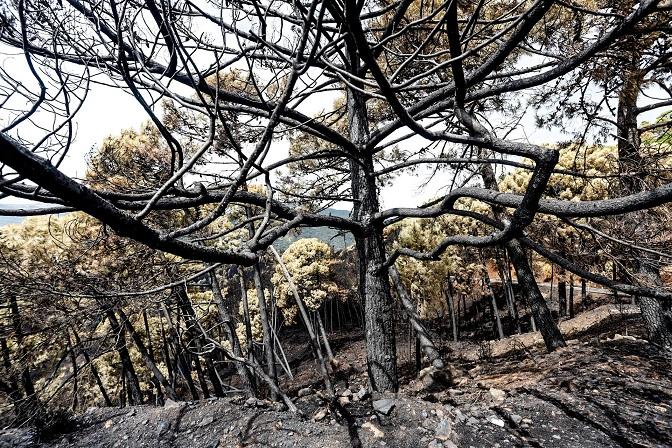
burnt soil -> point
(603, 390)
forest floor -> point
(607, 388)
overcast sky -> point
(109, 110)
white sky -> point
(109, 110)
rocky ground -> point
(605, 389)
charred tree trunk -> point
(180, 364)
(422, 336)
(147, 358)
(562, 297)
(373, 278)
(657, 314)
(94, 370)
(543, 320)
(26, 378)
(305, 318)
(267, 337)
(528, 284)
(130, 378)
(245, 376)
(75, 372)
(571, 297)
(11, 388)
(451, 309)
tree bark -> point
(130, 377)
(571, 297)
(146, 357)
(267, 337)
(562, 297)
(243, 372)
(373, 278)
(94, 371)
(656, 313)
(422, 335)
(451, 308)
(543, 320)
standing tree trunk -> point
(495, 309)
(584, 295)
(26, 378)
(571, 297)
(657, 314)
(75, 372)
(422, 336)
(149, 360)
(94, 371)
(267, 337)
(243, 372)
(502, 269)
(562, 297)
(543, 320)
(374, 284)
(451, 308)
(130, 378)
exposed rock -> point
(173, 404)
(517, 419)
(497, 395)
(320, 415)
(305, 392)
(496, 421)
(443, 430)
(434, 380)
(163, 428)
(362, 394)
(278, 406)
(384, 406)
(377, 433)
(206, 421)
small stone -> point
(362, 394)
(278, 406)
(443, 430)
(449, 444)
(251, 402)
(305, 392)
(377, 433)
(384, 406)
(497, 395)
(131, 413)
(206, 421)
(319, 415)
(435, 444)
(162, 428)
(516, 419)
(343, 400)
(434, 380)
(172, 404)
(346, 393)
(472, 421)
(496, 421)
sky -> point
(109, 110)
